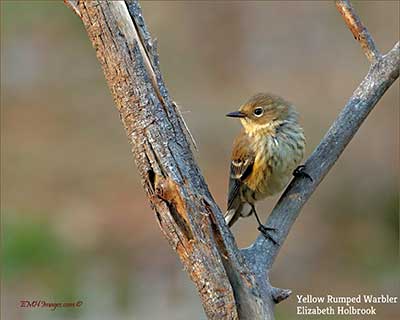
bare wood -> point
(358, 30)
(232, 283)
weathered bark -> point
(185, 210)
(232, 283)
(359, 31)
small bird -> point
(265, 155)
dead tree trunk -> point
(232, 283)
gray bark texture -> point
(232, 283)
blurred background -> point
(76, 224)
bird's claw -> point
(300, 172)
(265, 231)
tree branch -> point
(232, 283)
(358, 30)
(385, 70)
(185, 210)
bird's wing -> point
(241, 167)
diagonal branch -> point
(383, 72)
(187, 214)
(358, 30)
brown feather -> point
(241, 166)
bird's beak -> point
(236, 114)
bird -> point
(265, 155)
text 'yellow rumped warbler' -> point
(264, 154)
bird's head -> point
(262, 111)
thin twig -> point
(359, 31)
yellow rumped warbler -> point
(264, 156)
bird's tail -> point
(234, 213)
(231, 216)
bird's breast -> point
(276, 157)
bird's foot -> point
(300, 172)
(265, 231)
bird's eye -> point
(258, 112)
